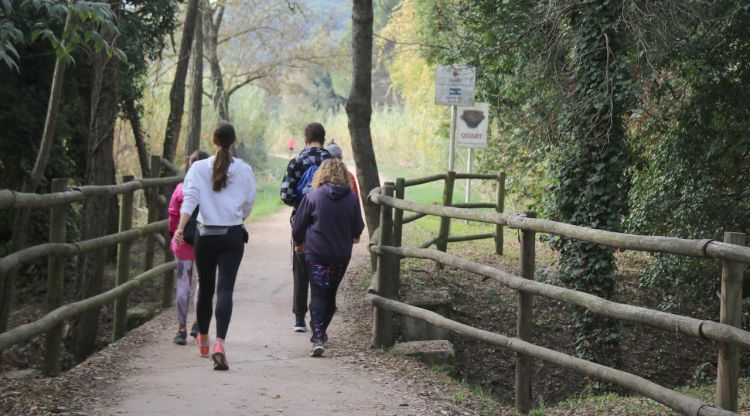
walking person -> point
(185, 257)
(327, 223)
(224, 187)
(297, 182)
(336, 152)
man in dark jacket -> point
(312, 155)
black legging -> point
(224, 252)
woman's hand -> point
(300, 249)
(179, 237)
(356, 240)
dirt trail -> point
(271, 372)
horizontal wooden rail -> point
(411, 218)
(671, 245)
(680, 402)
(29, 254)
(13, 199)
(714, 331)
(25, 332)
(484, 176)
(426, 179)
(428, 243)
(461, 238)
(476, 205)
(170, 167)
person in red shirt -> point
(291, 144)
(336, 152)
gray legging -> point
(184, 281)
(222, 252)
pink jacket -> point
(182, 251)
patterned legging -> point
(184, 279)
(324, 283)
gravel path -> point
(271, 372)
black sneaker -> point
(318, 348)
(180, 338)
(194, 330)
(299, 325)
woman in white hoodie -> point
(224, 188)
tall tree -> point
(359, 107)
(196, 85)
(100, 170)
(592, 188)
(257, 42)
(177, 93)
(212, 19)
(131, 112)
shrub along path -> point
(271, 372)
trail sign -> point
(454, 84)
(471, 126)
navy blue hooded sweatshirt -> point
(327, 221)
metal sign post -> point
(468, 181)
(452, 145)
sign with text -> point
(454, 84)
(471, 126)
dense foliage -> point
(691, 177)
(586, 96)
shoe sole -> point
(317, 351)
(300, 329)
(220, 361)
(180, 342)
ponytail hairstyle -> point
(194, 157)
(224, 137)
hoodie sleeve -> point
(190, 192)
(302, 220)
(247, 208)
(174, 208)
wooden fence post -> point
(119, 321)
(398, 225)
(524, 365)
(445, 222)
(731, 313)
(153, 211)
(55, 280)
(382, 328)
(500, 207)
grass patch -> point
(268, 184)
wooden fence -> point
(726, 334)
(57, 250)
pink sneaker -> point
(220, 356)
(202, 341)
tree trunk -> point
(177, 93)
(359, 107)
(131, 112)
(100, 168)
(212, 23)
(20, 234)
(591, 171)
(193, 141)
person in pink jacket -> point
(185, 257)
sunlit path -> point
(271, 372)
